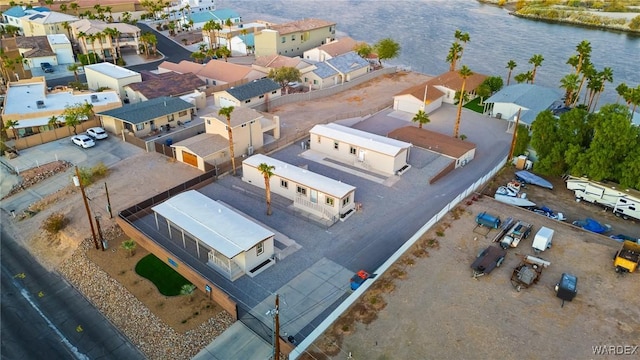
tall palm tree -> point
(536, 60)
(92, 40)
(606, 75)
(454, 55)
(584, 53)
(570, 84)
(464, 38)
(74, 6)
(113, 34)
(226, 112)
(53, 121)
(209, 27)
(464, 73)
(621, 90)
(588, 71)
(267, 172)
(11, 124)
(511, 64)
(421, 118)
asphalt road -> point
(43, 317)
(171, 50)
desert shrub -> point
(54, 223)
(93, 174)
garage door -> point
(189, 158)
(408, 106)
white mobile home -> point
(360, 148)
(234, 245)
(625, 203)
(311, 192)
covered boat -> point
(533, 179)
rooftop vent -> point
(40, 104)
(94, 98)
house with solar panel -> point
(313, 193)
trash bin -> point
(168, 142)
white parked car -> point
(294, 85)
(97, 133)
(83, 141)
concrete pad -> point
(237, 342)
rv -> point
(624, 203)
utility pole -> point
(78, 182)
(276, 330)
(514, 137)
(100, 232)
(108, 201)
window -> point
(315, 82)
(306, 80)
(335, 145)
(247, 101)
(261, 97)
(352, 150)
(302, 191)
(139, 127)
(284, 184)
(182, 113)
(243, 125)
(260, 248)
(329, 201)
(283, 40)
(171, 117)
(345, 201)
(208, 121)
(293, 38)
(274, 91)
(318, 139)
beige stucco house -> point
(251, 94)
(361, 149)
(293, 38)
(103, 44)
(423, 97)
(108, 75)
(451, 82)
(214, 72)
(226, 240)
(314, 193)
(145, 117)
(330, 50)
(251, 130)
(46, 23)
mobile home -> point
(624, 203)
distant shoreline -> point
(510, 6)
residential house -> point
(214, 72)
(53, 49)
(264, 64)
(107, 75)
(251, 94)
(527, 99)
(220, 16)
(313, 193)
(330, 50)
(31, 104)
(92, 37)
(349, 66)
(145, 117)
(241, 37)
(46, 23)
(62, 47)
(451, 82)
(251, 130)
(361, 149)
(425, 97)
(13, 16)
(13, 65)
(223, 238)
(460, 151)
(294, 38)
(166, 84)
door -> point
(153, 125)
(189, 158)
(314, 196)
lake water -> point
(424, 29)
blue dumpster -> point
(168, 142)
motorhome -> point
(624, 203)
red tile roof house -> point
(215, 72)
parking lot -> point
(440, 310)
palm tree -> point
(421, 118)
(129, 246)
(588, 71)
(92, 39)
(511, 64)
(74, 68)
(464, 38)
(11, 124)
(267, 172)
(209, 27)
(100, 36)
(464, 73)
(198, 56)
(570, 84)
(536, 60)
(454, 55)
(82, 36)
(63, 8)
(53, 121)
(226, 111)
(74, 7)
(621, 90)
(584, 52)
(229, 24)
(606, 75)
(113, 33)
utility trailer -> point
(627, 258)
(623, 203)
(519, 231)
(528, 272)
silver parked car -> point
(83, 141)
(97, 133)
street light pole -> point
(276, 331)
(78, 182)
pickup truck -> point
(519, 231)
(627, 258)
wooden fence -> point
(53, 135)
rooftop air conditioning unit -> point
(40, 104)
(94, 98)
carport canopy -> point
(212, 223)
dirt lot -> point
(435, 307)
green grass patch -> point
(166, 279)
(475, 105)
